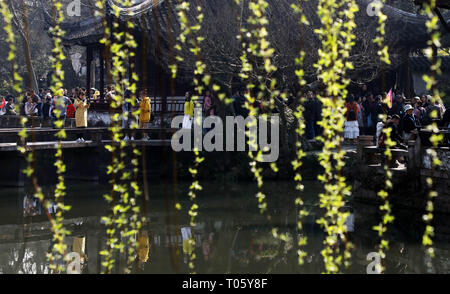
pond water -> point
(231, 235)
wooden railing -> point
(160, 105)
(96, 135)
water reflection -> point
(31, 206)
(143, 248)
(231, 235)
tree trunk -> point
(32, 80)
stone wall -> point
(444, 156)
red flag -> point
(3, 103)
(389, 98)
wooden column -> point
(102, 73)
(89, 57)
(93, 68)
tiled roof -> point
(421, 63)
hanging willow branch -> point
(259, 48)
(190, 35)
(431, 83)
(17, 83)
(119, 177)
(336, 35)
(133, 218)
(297, 163)
(385, 208)
(29, 171)
(246, 70)
(108, 264)
(59, 232)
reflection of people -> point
(206, 247)
(27, 206)
(79, 246)
(188, 247)
(350, 225)
(143, 248)
(52, 207)
(346, 239)
(31, 206)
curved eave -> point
(84, 41)
(409, 28)
(136, 10)
(85, 32)
(422, 64)
(83, 38)
(404, 29)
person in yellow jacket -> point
(188, 242)
(188, 111)
(146, 111)
(81, 107)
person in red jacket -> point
(351, 131)
(70, 110)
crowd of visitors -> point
(363, 110)
(404, 116)
(44, 103)
(363, 114)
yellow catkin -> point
(297, 163)
(337, 40)
(190, 36)
(119, 225)
(431, 83)
(59, 249)
(385, 207)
